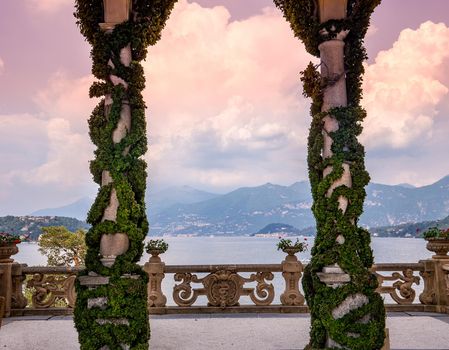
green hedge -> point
(354, 256)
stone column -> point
(111, 305)
(115, 244)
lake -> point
(248, 250)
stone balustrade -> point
(421, 286)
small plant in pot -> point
(438, 242)
(8, 246)
(291, 248)
(156, 247)
(9, 239)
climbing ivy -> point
(126, 291)
(362, 328)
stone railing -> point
(421, 286)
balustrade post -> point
(155, 269)
(435, 284)
(6, 286)
(292, 271)
(445, 269)
(18, 299)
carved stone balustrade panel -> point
(223, 288)
(48, 289)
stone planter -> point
(7, 250)
(291, 251)
(438, 245)
(155, 254)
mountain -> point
(164, 199)
(406, 185)
(248, 209)
(278, 228)
(185, 210)
(76, 209)
(242, 211)
(31, 225)
(411, 229)
(393, 205)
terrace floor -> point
(219, 332)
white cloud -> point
(403, 87)
(48, 6)
(225, 97)
(225, 110)
(67, 98)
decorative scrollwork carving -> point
(403, 285)
(263, 294)
(48, 289)
(428, 296)
(223, 288)
(184, 294)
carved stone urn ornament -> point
(7, 250)
(438, 245)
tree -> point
(63, 247)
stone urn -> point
(438, 245)
(111, 246)
(7, 250)
(291, 251)
(155, 255)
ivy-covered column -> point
(346, 312)
(111, 307)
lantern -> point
(115, 12)
(332, 9)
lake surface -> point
(248, 250)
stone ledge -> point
(92, 281)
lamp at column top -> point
(332, 9)
(116, 11)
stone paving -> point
(411, 331)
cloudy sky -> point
(225, 105)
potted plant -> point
(156, 247)
(8, 246)
(287, 246)
(438, 242)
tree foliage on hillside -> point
(62, 247)
(32, 225)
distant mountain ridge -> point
(185, 210)
(410, 229)
(77, 209)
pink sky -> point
(225, 104)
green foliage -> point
(284, 244)
(435, 232)
(126, 297)
(354, 256)
(31, 226)
(62, 247)
(156, 244)
(7, 238)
